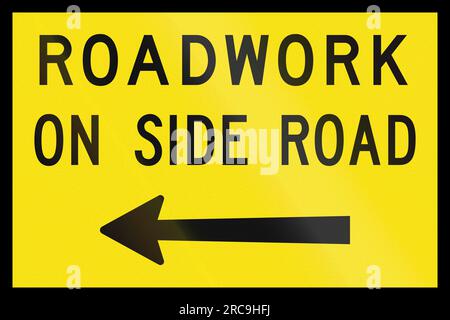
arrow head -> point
(137, 230)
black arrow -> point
(140, 230)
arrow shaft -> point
(287, 230)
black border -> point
(169, 299)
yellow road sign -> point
(224, 149)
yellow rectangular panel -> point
(246, 230)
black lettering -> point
(191, 120)
(149, 137)
(247, 50)
(393, 159)
(364, 129)
(59, 59)
(186, 56)
(148, 45)
(91, 145)
(296, 138)
(228, 137)
(346, 59)
(113, 60)
(339, 139)
(38, 139)
(173, 139)
(380, 58)
(282, 65)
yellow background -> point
(58, 210)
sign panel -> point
(224, 149)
